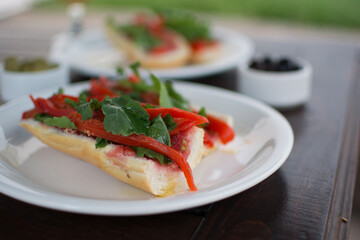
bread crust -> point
(143, 173)
(175, 58)
(207, 54)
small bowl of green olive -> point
(21, 76)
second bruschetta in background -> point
(149, 42)
(205, 48)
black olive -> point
(268, 64)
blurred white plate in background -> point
(92, 55)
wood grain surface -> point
(310, 197)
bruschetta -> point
(142, 134)
(149, 42)
(204, 47)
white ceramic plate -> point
(92, 55)
(49, 178)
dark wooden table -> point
(310, 197)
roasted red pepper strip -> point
(182, 125)
(177, 113)
(150, 98)
(59, 100)
(161, 49)
(201, 44)
(133, 78)
(207, 140)
(98, 89)
(225, 132)
(29, 114)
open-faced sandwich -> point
(205, 48)
(148, 41)
(143, 134)
(165, 39)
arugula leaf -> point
(169, 122)
(168, 97)
(131, 106)
(61, 122)
(142, 87)
(135, 68)
(140, 35)
(124, 116)
(149, 106)
(86, 109)
(159, 131)
(141, 152)
(185, 23)
(177, 100)
(71, 102)
(84, 96)
(41, 117)
(164, 98)
(137, 87)
(100, 142)
(134, 95)
(120, 71)
(60, 91)
(202, 112)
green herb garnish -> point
(185, 23)
(150, 106)
(141, 36)
(86, 109)
(135, 68)
(141, 152)
(177, 100)
(41, 117)
(71, 102)
(202, 112)
(84, 95)
(124, 116)
(159, 131)
(100, 142)
(169, 121)
(60, 91)
(164, 98)
(168, 97)
(120, 71)
(61, 122)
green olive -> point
(28, 65)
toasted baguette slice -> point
(206, 54)
(118, 160)
(174, 58)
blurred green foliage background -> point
(345, 13)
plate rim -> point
(67, 203)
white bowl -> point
(16, 84)
(278, 89)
